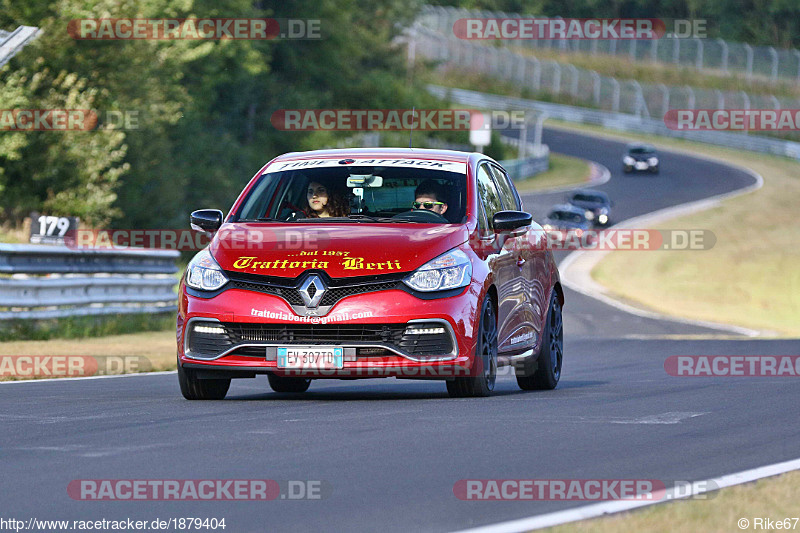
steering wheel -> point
(421, 215)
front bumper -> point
(380, 342)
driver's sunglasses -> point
(426, 205)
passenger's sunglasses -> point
(426, 205)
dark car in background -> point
(640, 157)
(566, 221)
(595, 204)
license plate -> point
(641, 166)
(312, 357)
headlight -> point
(450, 270)
(653, 161)
(204, 273)
(589, 215)
(602, 219)
(628, 160)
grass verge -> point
(773, 498)
(84, 326)
(564, 171)
(750, 278)
(150, 351)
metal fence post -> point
(573, 90)
(556, 78)
(595, 87)
(691, 96)
(724, 46)
(746, 105)
(797, 55)
(615, 95)
(698, 62)
(664, 99)
(774, 55)
(537, 74)
(749, 68)
(537, 137)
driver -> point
(431, 195)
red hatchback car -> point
(365, 263)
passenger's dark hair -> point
(338, 204)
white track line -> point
(55, 380)
(599, 509)
(579, 278)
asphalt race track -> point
(389, 452)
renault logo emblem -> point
(312, 290)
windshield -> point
(641, 150)
(566, 216)
(587, 198)
(373, 193)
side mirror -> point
(206, 220)
(508, 221)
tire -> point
(627, 170)
(654, 170)
(201, 389)
(485, 360)
(551, 355)
(285, 384)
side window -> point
(507, 191)
(487, 191)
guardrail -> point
(618, 121)
(13, 42)
(39, 282)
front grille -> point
(335, 294)
(393, 336)
(336, 288)
(290, 294)
(317, 333)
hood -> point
(342, 250)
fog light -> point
(424, 331)
(212, 330)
